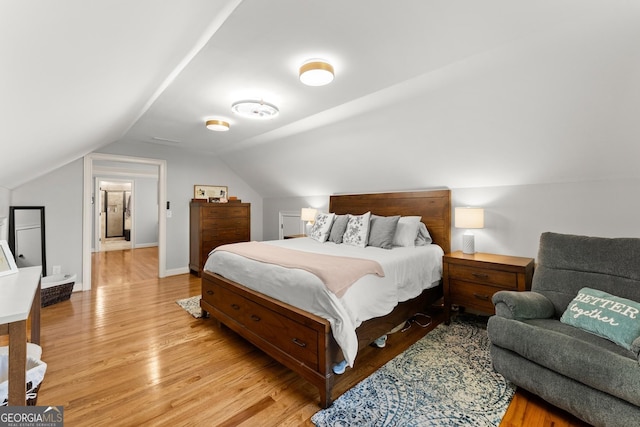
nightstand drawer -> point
(470, 280)
(473, 295)
(504, 279)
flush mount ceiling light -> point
(316, 72)
(217, 125)
(254, 109)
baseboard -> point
(177, 271)
(145, 245)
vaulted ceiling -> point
(460, 93)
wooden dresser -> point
(471, 280)
(215, 224)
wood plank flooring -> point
(125, 354)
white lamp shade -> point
(469, 218)
(308, 214)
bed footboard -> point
(299, 340)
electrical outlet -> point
(57, 269)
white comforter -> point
(408, 271)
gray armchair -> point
(587, 375)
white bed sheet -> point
(408, 271)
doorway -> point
(128, 165)
(115, 215)
(290, 224)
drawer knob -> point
(255, 318)
(482, 297)
(480, 275)
(235, 306)
(296, 341)
(209, 292)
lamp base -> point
(468, 244)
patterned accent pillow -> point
(321, 227)
(357, 230)
(611, 317)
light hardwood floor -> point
(125, 354)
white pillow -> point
(321, 227)
(357, 230)
(407, 231)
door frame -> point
(289, 214)
(88, 201)
(97, 235)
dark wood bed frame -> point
(302, 341)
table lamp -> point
(309, 215)
(469, 218)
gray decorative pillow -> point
(382, 230)
(357, 230)
(338, 228)
(321, 227)
(424, 238)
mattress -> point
(408, 271)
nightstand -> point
(470, 280)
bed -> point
(303, 341)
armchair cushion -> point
(635, 348)
(522, 305)
(570, 352)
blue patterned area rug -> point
(445, 379)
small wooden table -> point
(470, 280)
(19, 299)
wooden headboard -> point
(433, 206)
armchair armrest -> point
(522, 305)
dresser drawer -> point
(226, 212)
(225, 223)
(288, 335)
(503, 279)
(473, 295)
(229, 236)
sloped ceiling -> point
(427, 93)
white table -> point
(19, 299)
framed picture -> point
(7, 262)
(212, 193)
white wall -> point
(5, 198)
(145, 197)
(184, 170)
(515, 216)
(60, 192)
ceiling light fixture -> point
(254, 109)
(316, 72)
(217, 125)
